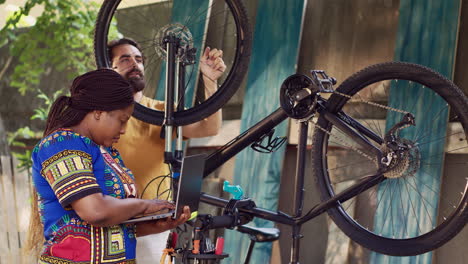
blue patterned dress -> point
(67, 167)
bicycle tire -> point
(452, 212)
(236, 67)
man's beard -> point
(137, 83)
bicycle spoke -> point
(376, 126)
(413, 208)
(218, 29)
(348, 165)
(415, 188)
(418, 161)
(429, 106)
(441, 154)
(416, 137)
(190, 22)
(405, 229)
(439, 139)
(387, 210)
(197, 14)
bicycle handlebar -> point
(277, 217)
(222, 221)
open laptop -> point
(189, 188)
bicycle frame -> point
(344, 122)
(347, 124)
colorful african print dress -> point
(67, 167)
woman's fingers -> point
(184, 216)
(156, 205)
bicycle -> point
(355, 158)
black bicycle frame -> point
(347, 124)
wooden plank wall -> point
(274, 57)
(427, 35)
(14, 211)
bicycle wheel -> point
(410, 212)
(221, 24)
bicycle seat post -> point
(257, 234)
(300, 169)
(249, 251)
(299, 188)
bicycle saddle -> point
(259, 234)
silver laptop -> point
(189, 188)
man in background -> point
(141, 146)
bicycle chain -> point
(348, 145)
(372, 103)
(343, 142)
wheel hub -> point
(401, 163)
(179, 31)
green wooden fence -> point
(427, 35)
(274, 56)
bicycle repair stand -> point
(204, 251)
(298, 100)
(178, 56)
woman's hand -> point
(104, 210)
(161, 225)
(156, 205)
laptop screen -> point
(190, 182)
(189, 188)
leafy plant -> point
(16, 139)
(60, 42)
(42, 111)
(24, 158)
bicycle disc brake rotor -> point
(177, 30)
(405, 164)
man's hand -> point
(161, 225)
(211, 64)
(212, 67)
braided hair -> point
(102, 89)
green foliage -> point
(42, 111)
(24, 160)
(61, 42)
(24, 157)
(16, 139)
(24, 132)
